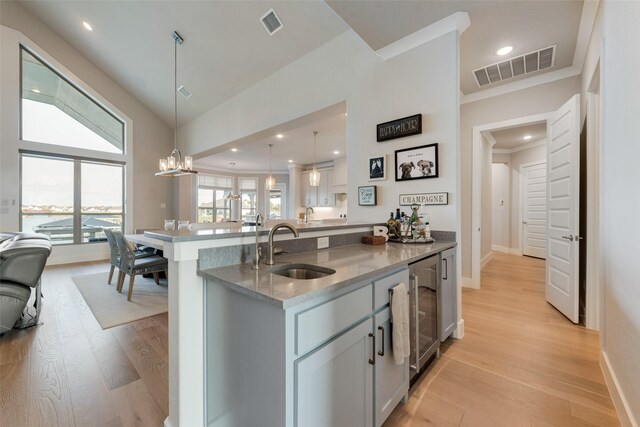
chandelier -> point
(174, 164)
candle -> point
(163, 165)
(188, 162)
(172, 162)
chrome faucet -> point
(256, 259)
(270, 260)
(306, 214)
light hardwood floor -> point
(520, 363)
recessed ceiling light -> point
(526, 137)
(504, 50)
(290, 161)
(234, 149)
(279, 136)
(86, 26)
(336, 152)
(35, 90)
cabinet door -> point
(326, 197)
(448, 295)
(334, 385)
(392, 381)
(309, 193)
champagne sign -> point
(424, 199)
(407, 126)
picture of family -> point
(377, 168)
(417, 162)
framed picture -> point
(367, 195)
(417, 162)
(378, 168)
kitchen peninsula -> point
(210, 274)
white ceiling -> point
(226, 47)
(296, 144)
(508, 139)
(527, 25)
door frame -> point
(476, 189)
(521, 202)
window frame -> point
(53, 69)
(240, 193)
(23, 146)
(77, 192)
(214, 188)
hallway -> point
(520, 363)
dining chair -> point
(131, 265)
(114, 257)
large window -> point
(71, 200)
(248, 198)
(54, 111)
(213, 204)
(68, 192)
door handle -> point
(381, 351)
(373, 349)
(524, 222)
(569, 237)
(576, 238)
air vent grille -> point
(271, 22)
(514, 67)
(184, 91)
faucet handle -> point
(259, 252)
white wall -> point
(152, 139)
(485, 201)
(422, 80)
(526, 102)
(501, 207)
(620, 87)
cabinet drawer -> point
(381, 287)
(317, 324)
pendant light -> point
(270, 182)
(173, 165)
(314, 176)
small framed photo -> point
(378, 168)
(367, 195)
(417, 162)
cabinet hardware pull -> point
(381, 351)
(373, 348)
(446, 269)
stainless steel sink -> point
(302, 271)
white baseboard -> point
(467, 282)
(486, 260)
(459, 332)
(619, 400)
(502, 249)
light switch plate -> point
(323, 242)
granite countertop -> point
(353, 264)
(176, 236)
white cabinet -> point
(448, 295)
(309, 193)
(335, 382)
(392, 381)
(321, 195)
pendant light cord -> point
(315, 133)
(175, 94)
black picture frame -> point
(368, 195)
(417, 163)
(399, 128)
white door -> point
(534, 210)
(335, 383)
(563, 197)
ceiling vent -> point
(271, 22)
(518, 66)
(184, 91)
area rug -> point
(111, 308)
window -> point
(212, 204)
(277, 201)
(248, 198)
(54, 111)
(71, 200)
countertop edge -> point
(291, 302)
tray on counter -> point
(413, 241)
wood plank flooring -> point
(520, 363)
(69, 372)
